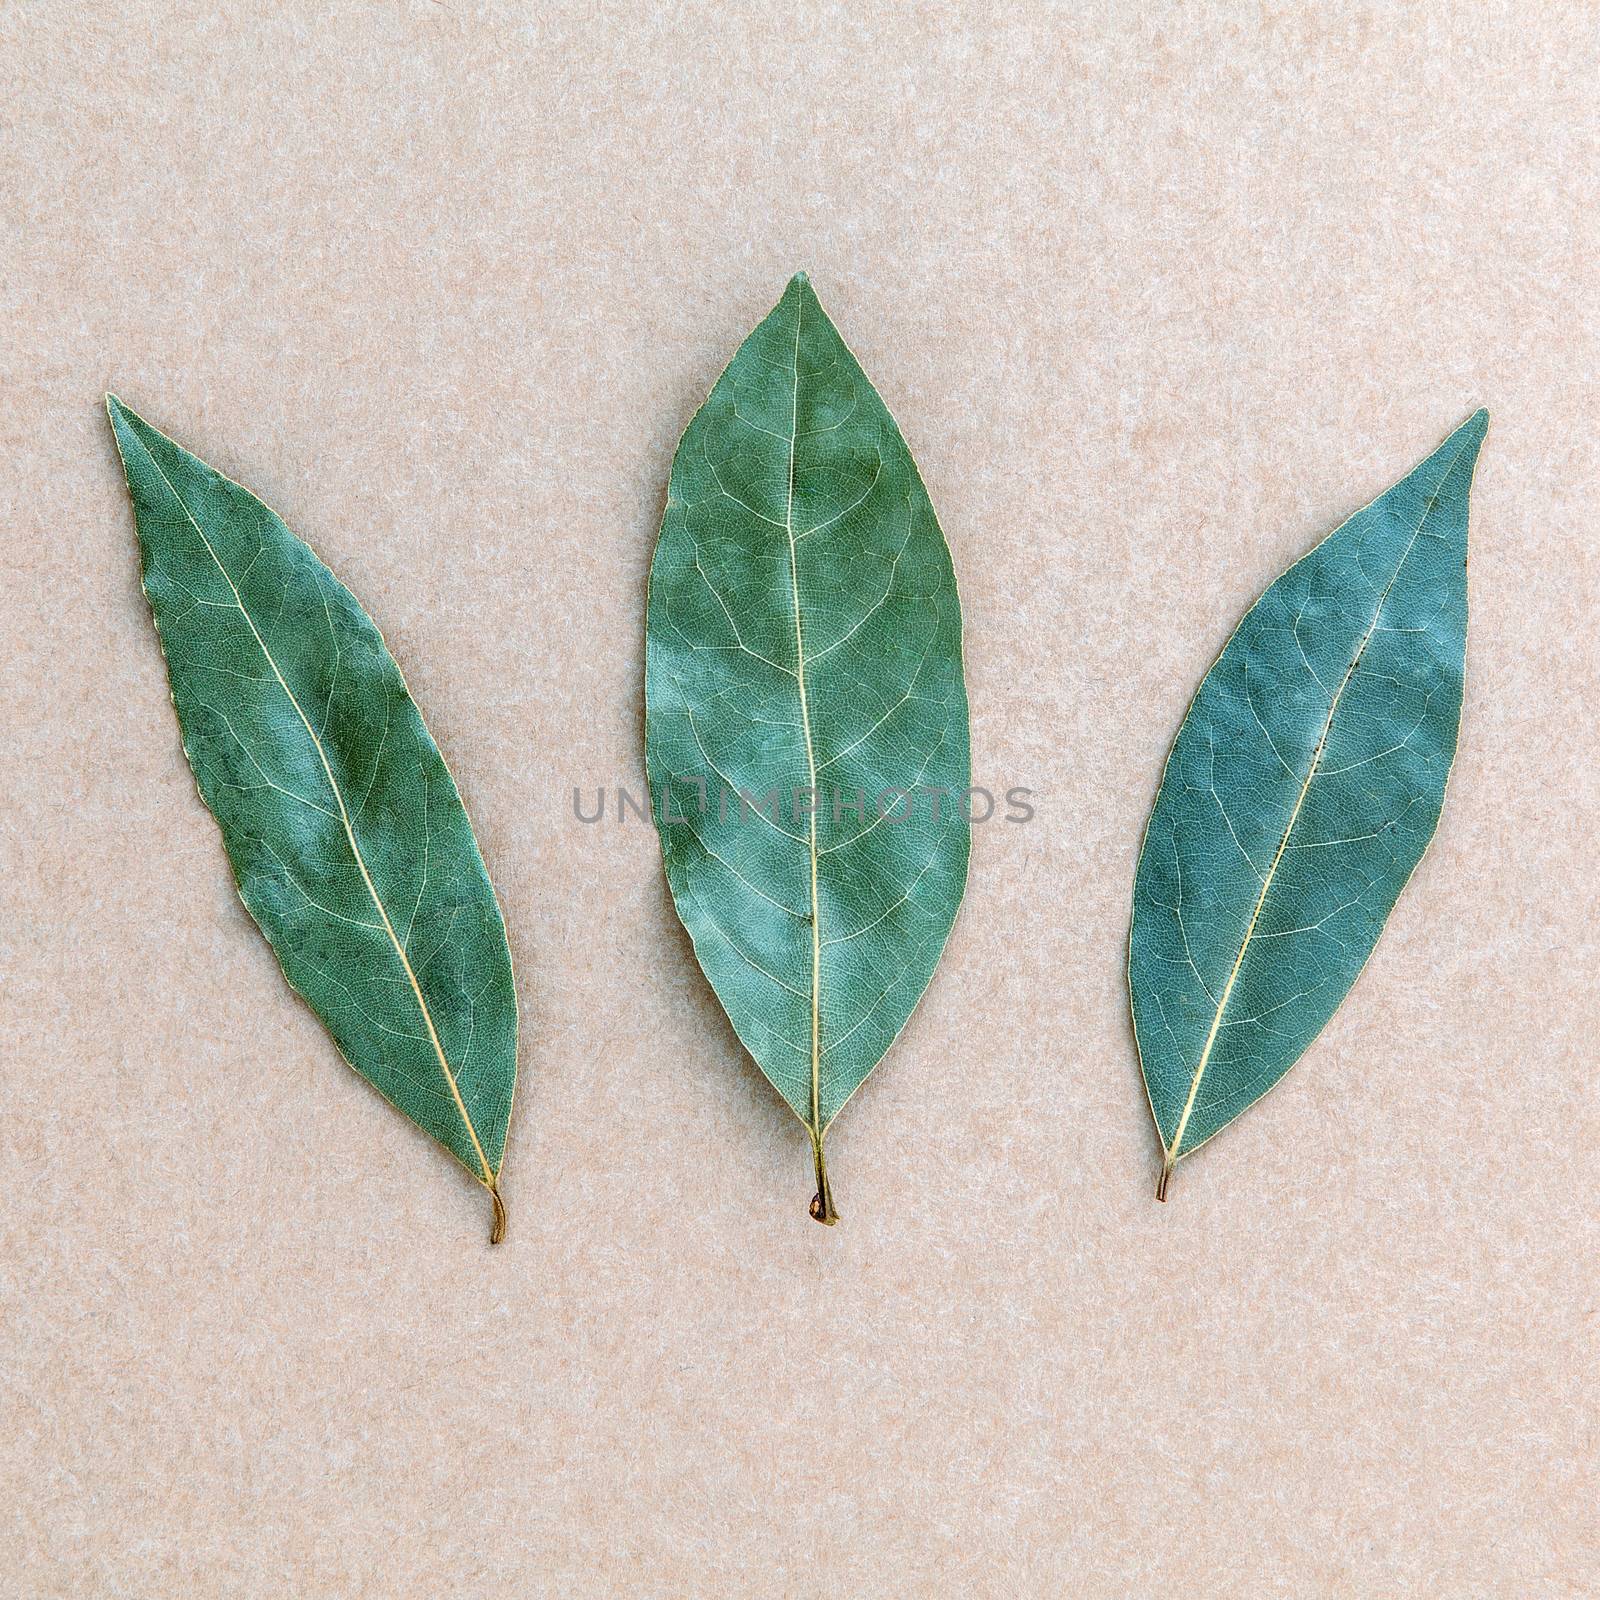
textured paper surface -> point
(1156, 301)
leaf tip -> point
(1471, 431)
(121, 415)
(118, 415)
(800, 280)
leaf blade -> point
(1271, 838)
(804, 634)
(348, 840)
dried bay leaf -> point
(803, 673)
(348, 841)
(1302, 789)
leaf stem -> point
(498, 1232)
(822, 1201)
(1166, 1177)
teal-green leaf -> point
(1301, 791)
(803, 671)
(346, 835)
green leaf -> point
(1301, 791)
(804, 661)
(347, 837)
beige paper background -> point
(1157, 298)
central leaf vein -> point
(1312, 772)
(344, 817)
(805, 728)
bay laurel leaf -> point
(806, 713)
(346, 835)
(1300, 793)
